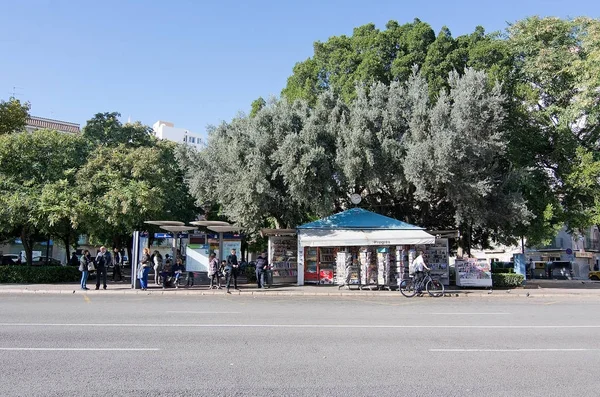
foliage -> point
(34, 168)
(38, 274)
(13, 115)
(121, 187)
(507, 280)
(557, 72)
(370, 55)
(105, 129)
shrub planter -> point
(38, 274)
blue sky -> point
(197, 63)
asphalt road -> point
(145, 345)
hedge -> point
(38, 274)
(507, 279)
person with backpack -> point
(261, 268)
(103, 261)
(231, 271)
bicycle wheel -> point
(435, 288)
(407, 288)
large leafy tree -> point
(557, 91)
(121, 187)
(13, 115)
(240, 168)
(456, 154)
(33, 168)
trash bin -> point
(269, 277)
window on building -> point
(185, 138)
(192, 139)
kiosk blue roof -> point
(358, 218)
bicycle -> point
(434, 287)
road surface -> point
(152, 345)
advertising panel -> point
(473, 272)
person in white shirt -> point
(419, 266)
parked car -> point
(595, 275)
(10, 259)
(41, 261)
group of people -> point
(229, 269)
(165, 272)
(100, 265)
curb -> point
(386, 294)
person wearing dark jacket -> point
(84, 263)
(103, 261)
(261, 269)
(231, 271)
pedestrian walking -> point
(146, 264)
(231, 271)
(117, 261)
(103, 261)
(84, 263)
(158, 263)
(214, 272)
(261, 269)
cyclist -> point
(420, 267)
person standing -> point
(146, 263)
(261, 268)
(117, 260)
(103, 261)
(74, 261)
(231, 271)
(158, 263)
(84, 263)
(214, 271)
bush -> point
(250, 273)
(502, 271)
(38, 274)
(509, 280)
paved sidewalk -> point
(539, 288)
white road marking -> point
(192, 312)
(337, 326)
(509, 350)
(77, 349)
(472, 314)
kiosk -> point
(356, 238)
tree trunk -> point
(27, 245)
(66, 242)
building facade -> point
(38, 123)
(167, 130)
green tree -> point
(31, 166)
(105, 129)
(557, 91)
(457, 154)
(13, 115)
(121, 187)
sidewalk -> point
(537, 288)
